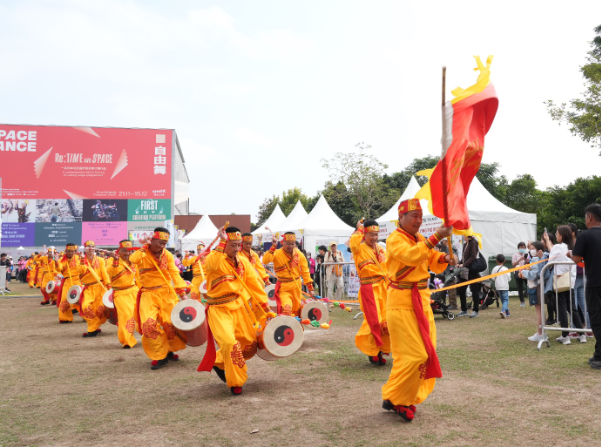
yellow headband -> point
(371, 228)
(89, 244)
(408, 205)
(234, 236)
(289, 237)
(161, 235)
(125, 244)
(71, 246)
(247, 238)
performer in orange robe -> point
(123, 277)
(198, 271)
(409, 316)
(38, 273)
(69, 269)
(289, 265)
(247, 252)
(232, 282)
(373, 336)
(31, 271)
(48, 268)
(157, 298)
(95, 282)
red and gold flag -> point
(467, 119)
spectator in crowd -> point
(501, 284)
(587, 249)
(579, 290)
(469, 255)
(334, 273)
(319, 261)
(519, 259)
(312, 266)
(22, 269)
(558, 252)
(6, 262)
(532, 275)
(548, 285)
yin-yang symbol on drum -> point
(73, 294)
(284, 335)
(314, 314)
(271, 293)
(188, 314)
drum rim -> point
(183, 325)
(269, 335)
(325, 316)
(201, 288)
(105, 301)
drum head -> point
(270, 291)
(107, 299)
(283, 336)
(50, 286)
(73, 294)
(203, 287)
(315, 311)
(188, 315)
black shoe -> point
(91, 334)
(127, 347)
(220, 373)
(595, 364)
(74, 311)
(173, 357)
(236, 390)
(44, 303)
(373, 359)
(64, 322)
(452, 308)
(156, 364)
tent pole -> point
(443, 165)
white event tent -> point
(276, 218)
(291, 223)
(502, 227)
(204, 231)
(322, 226)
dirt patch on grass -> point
(59, 389)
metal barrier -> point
(545, 328)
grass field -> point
(62, 390)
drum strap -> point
(162, 275)
(91, 270)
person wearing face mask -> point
(531, 274)
(519, 259)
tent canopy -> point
(204, 231)
(275, 219)
(292, 221)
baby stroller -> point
(487, 296)
(438, 298)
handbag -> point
(562, 283)
(478, 265)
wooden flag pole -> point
(443, 165)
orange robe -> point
(95, 280)
(31, 271)
(230, 319)
(289, 270)
(48, 271)
(373, 335)
(253, 258)
(156, 301)
(408, 260)
(198, 275)
(69, 268)
(123, 282)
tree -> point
(583, 116)
(400, 180)
(362, 175)
(287, 202)
(522, 194)
(496, 185)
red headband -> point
(408, 205)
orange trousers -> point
(406, 384)
(195, 292)
(92, 309)
(65, 309)
(290, 298)
(364, 340)
(158, 334)
(125, 303)
(237, 341)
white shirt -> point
(501, 282)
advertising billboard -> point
(85, 163)
(149, 210)
(79, 183)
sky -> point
(260, 92)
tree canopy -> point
(583, 114)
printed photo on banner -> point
(59, 210)
(106, 210)
(18, 210)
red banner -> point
(52, 162)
